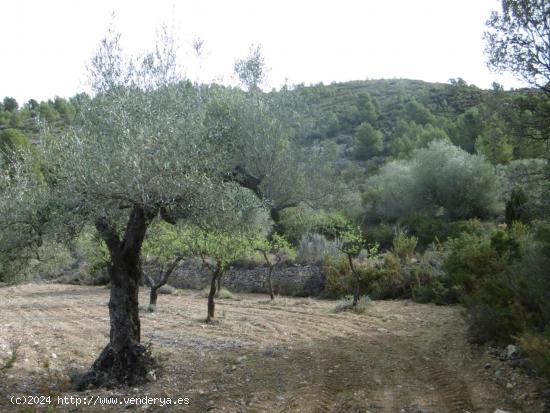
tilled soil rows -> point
(292, 355)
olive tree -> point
(353, 241)
(273, 251)
(23, 211)
(218, 249)
(258, 132)
(439, 178)
(166, 246)
(135, 153)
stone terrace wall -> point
(287, 280)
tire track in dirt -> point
(450, 394)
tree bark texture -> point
(124, 360)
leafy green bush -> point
(382, 234)
(404, 246)
(95, 254)
(471, 259)
(430, 282)
(338, 278)
(537, 347)
(387, 280)
(504, 285)
(471, 226)
(439, 179)
(298, 221)
(426, 228)
(13, 139)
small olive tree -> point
(218, 249)
(353, 241)
(273, 251)
(439, 177)
(166, 245)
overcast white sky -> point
(46, 44)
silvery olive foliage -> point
(139, 141)
(258, 134)
(441, 178)
(23, 212)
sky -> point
(47, 44)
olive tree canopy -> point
(136, 152)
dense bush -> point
(525, 188)
(95, 257)
(388, 276)
(386, 279)
(338, 279)
(313, 248)
(438, 180)
(298, 221)
(426, 228)
(382, 234)
(404, 246)
(537, 347)
(504, 285)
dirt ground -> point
(294, 355)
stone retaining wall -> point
(287, 280)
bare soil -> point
(293, 355)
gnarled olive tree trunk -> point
(124, 360)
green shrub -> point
(470, 259)
(425, 228)
(430, 283)
(493, 314)
(503, 280)
(537, 348)
(386, 280)
(338, 278)
(470, 226)
(517, 207)
(299, 221)
(404, 246)
(382, 234)
(13, 139)
(96, 257)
